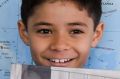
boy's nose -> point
(60, 44)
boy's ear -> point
(23, 32)
(98, 34)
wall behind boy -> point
(12, 50)
(107, 54)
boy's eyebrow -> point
(42, 23)
(77, 23)
(69, 24)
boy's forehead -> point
(58, 11)
(64, 3)
(60, 3)
(67, 4)
(60, 6)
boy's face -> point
(60, 34)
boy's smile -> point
(60, 34)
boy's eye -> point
(44, 31)
(76, 31)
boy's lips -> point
(60, 62)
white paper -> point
(41, 72)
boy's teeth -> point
(59, 60)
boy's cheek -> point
(39, 49)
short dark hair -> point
(93, 8)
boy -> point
(60, 32)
